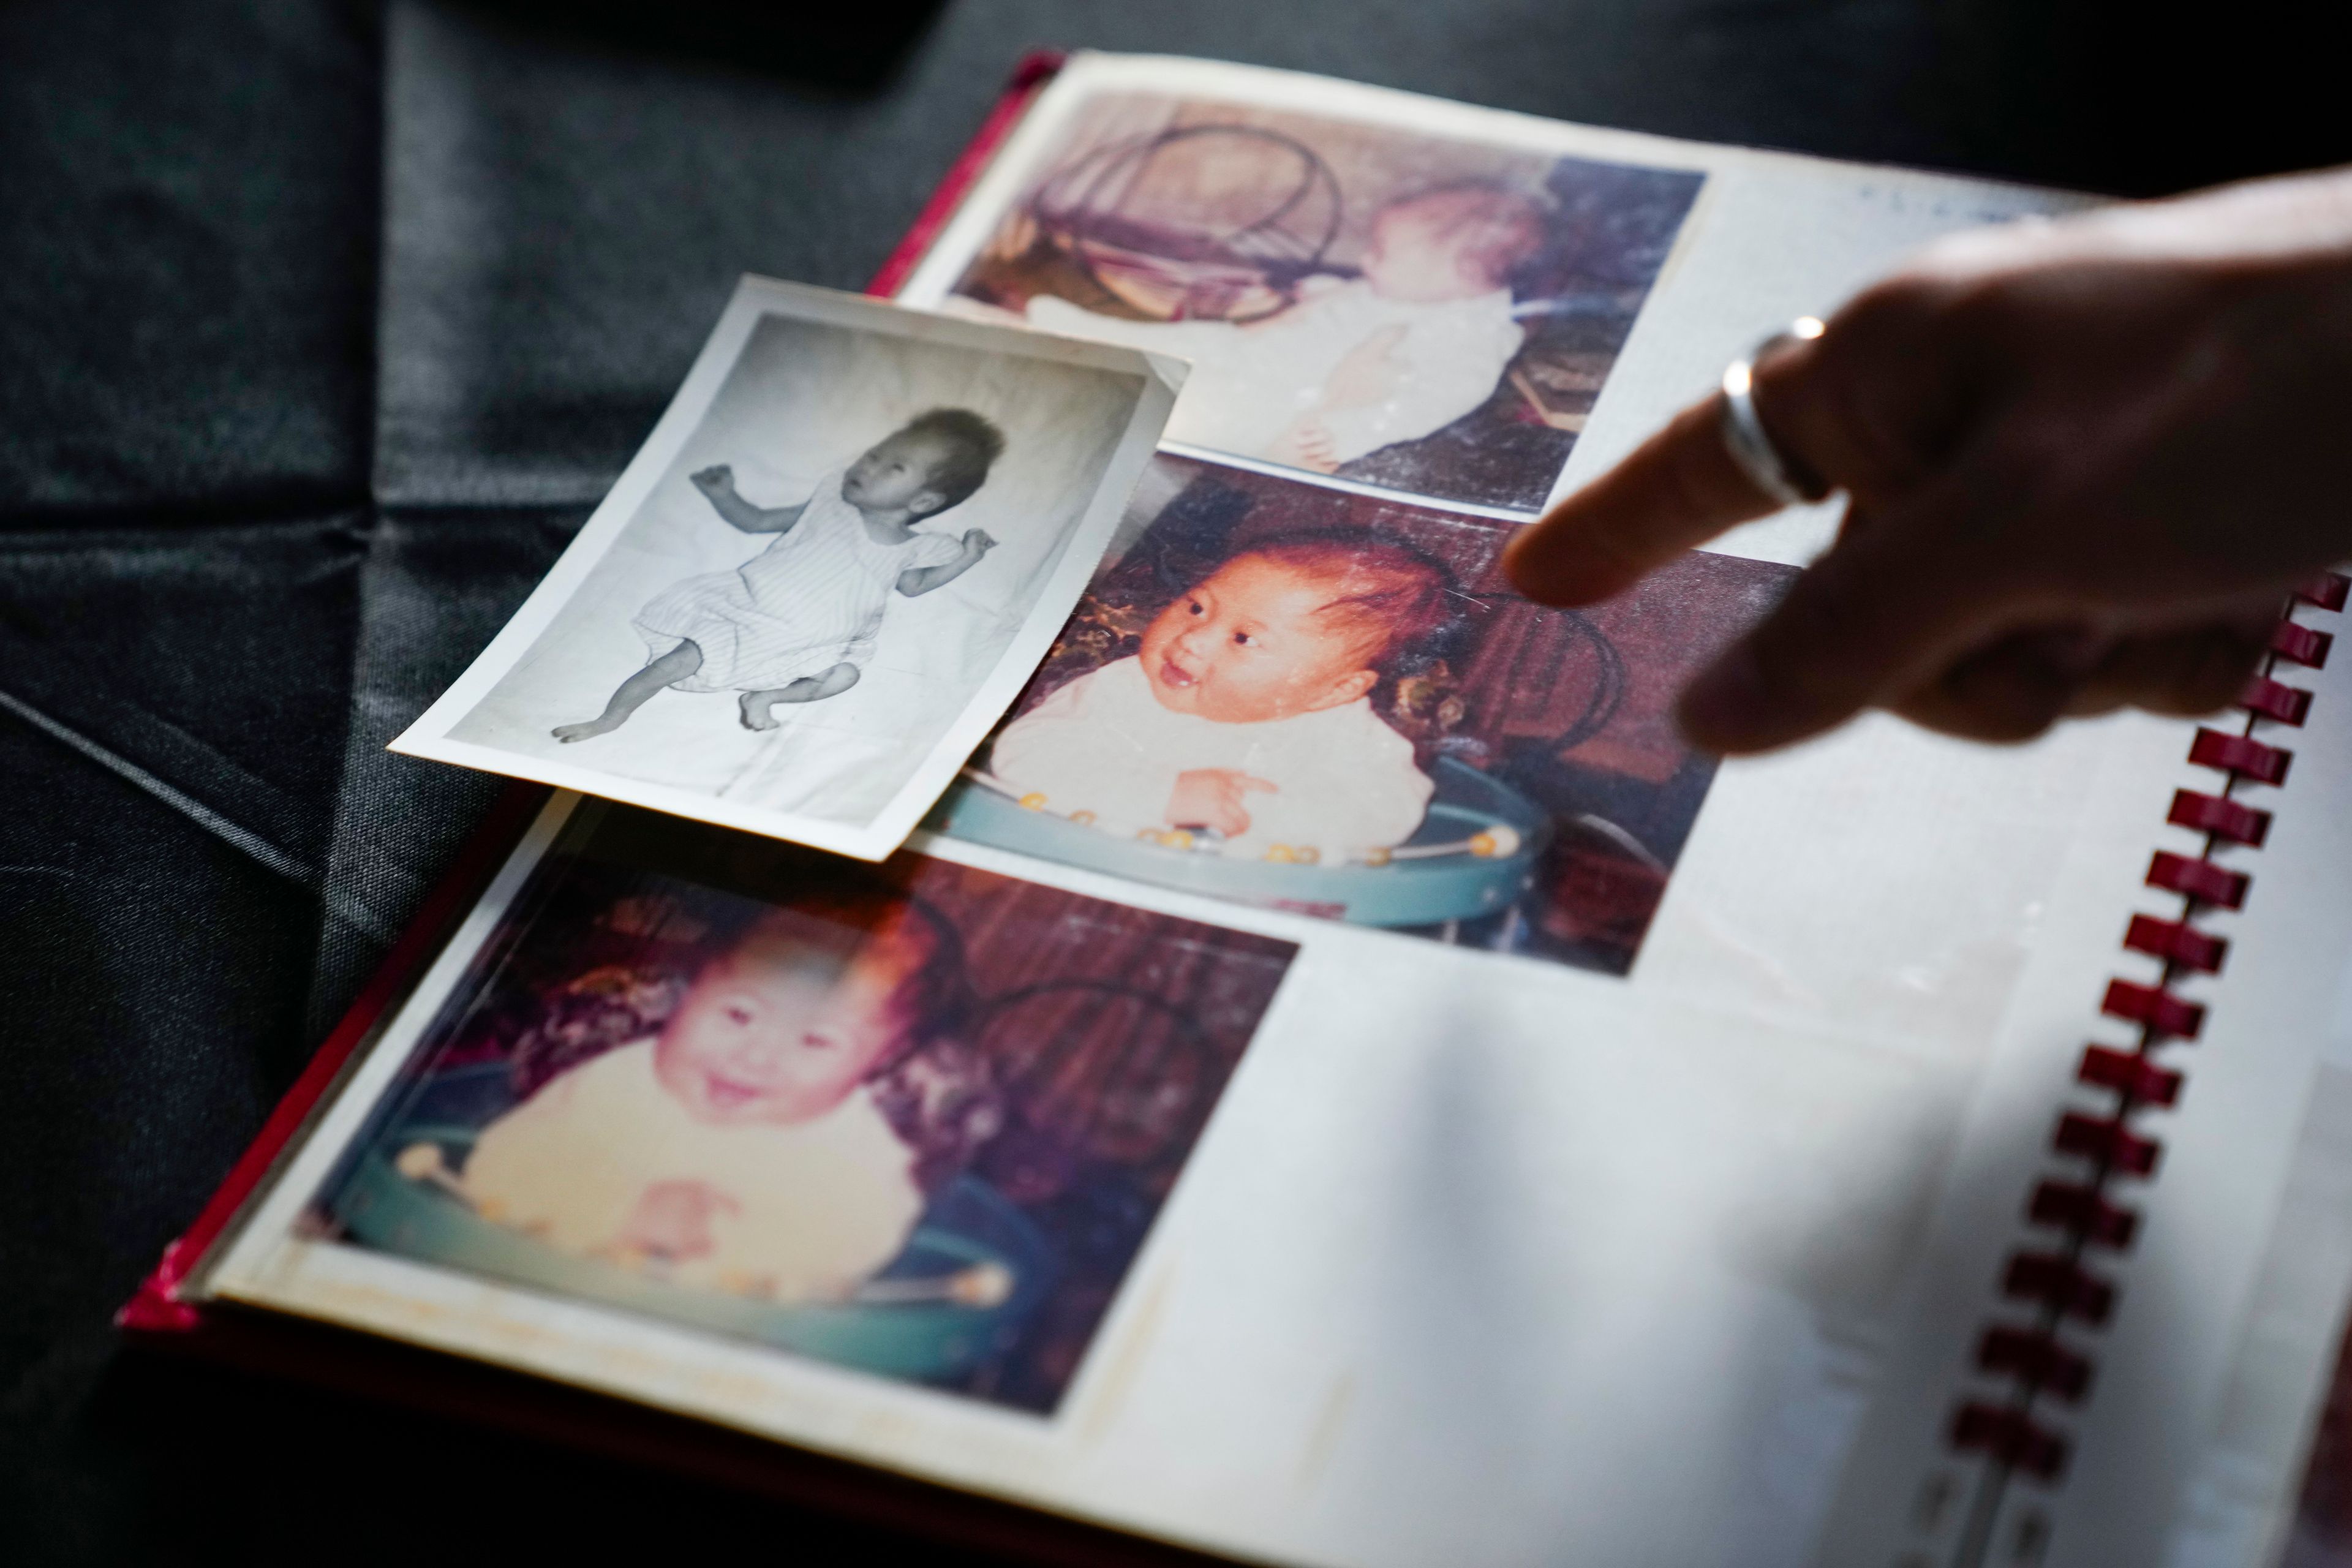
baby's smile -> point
(1172, 674)
(723, 1093)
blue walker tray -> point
(1474, 855)
(967, 1224)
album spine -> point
(2058, 1285)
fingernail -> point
(1722, 704)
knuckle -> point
(1879, 363)
(1891, 313)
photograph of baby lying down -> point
(1246, 713)
(798, 622)
(913, 1118)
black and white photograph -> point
(823, 577)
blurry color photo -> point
(1312, 699)
(1423, 314)
(914, 1119)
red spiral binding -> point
(2060, 1280)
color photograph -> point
(1309, 700)
(1422, 314)
(913, 1120)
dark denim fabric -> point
(322, 327)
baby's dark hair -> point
(1400, 597)
(972, 446)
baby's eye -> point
(1244, 639)
(1197, 607)
(739, 1015)
(818, 1042)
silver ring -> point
(1743, 433)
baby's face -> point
(1251, 644)
(779, 1038)
(895, 475)
(1415, 256)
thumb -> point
(1878, 615)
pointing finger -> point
(1865, 407)
(1678, 489)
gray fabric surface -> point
(321, 329)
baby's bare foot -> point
(587, 728)
(754, 706)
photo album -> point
(1093, 982)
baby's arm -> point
(915, 581)
(672, 1220)
(717, 484)
(1217, 798)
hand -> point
(716, 479)
(1308, 444)
(672, 1220)
(978, 541)
(1211, 798)
(2085, 462)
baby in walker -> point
(1246, 712)
(798, 622)
(1415, 342)
(748, 1146)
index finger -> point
(1677, 489)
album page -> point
(1337, 1081)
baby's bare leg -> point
(634, 693)
(807, 688)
